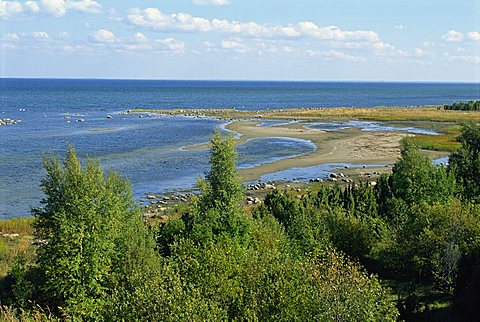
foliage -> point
(415, 179)
(445, 141)
(92, 237)
(464, 106)
(218, 211)
(293, 259)
(465, 163)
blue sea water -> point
(148, 150)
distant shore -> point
(414, 114)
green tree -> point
(465, 163)
(218, 211)
(415, 179)
(93, 237)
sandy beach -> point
(348, 145)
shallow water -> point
(369, 127)
(147, 150)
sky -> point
(367, 40)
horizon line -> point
(247, 80)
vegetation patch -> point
(447, 141)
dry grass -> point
(18, 315)
(15, 240)
(22, 226)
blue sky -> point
(394, 40)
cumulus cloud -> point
(40, 35)
(154, 19)
(9, 9)
(234, 44)
(211, 2)
(102, 36)
(89, 6)
(452, 36)
(55, 8)
(474, 35)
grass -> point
(22, 226)
(15, 240)
(443, 142)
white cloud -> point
(453, 35)
(474, 35)
(419, 52)
(234, 44)
(154, 19)
(32, 6)
(171, 44)
(428, 43)
(9, 9)
(55, 8)
(211, 2)
(102, 36)
(39, 35)
(340, 55)
(12, 36)
(89, 6)
(63, 35)
(140, 38)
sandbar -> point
(348, 145)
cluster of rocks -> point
(9, 121)
(339, 176)
(368, 174)
(253, 201)
(11, 236)
(262, 186)
(316, 180)
(165, 199)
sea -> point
(148, 149)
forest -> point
(406, 248)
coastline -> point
(342, 146)
(350, 145)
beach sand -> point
(342, 146)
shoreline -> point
(350, 145)
(342, 146)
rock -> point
(373, 183)
(249, 202)
(364, 166)
(257, 201)
(109, 116)
(166, 198)
(346, 167)
(163, 217)
(270, 187)
(80, 120)
(151, 197)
